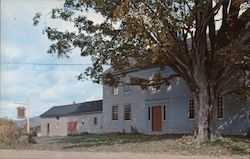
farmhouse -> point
(167, 110)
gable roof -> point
(74, 109)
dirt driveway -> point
(35, 154)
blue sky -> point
(42, 86)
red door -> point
(72, 127)
(156, 118)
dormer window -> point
(115, 90)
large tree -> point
(206, 42)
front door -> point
(72, 127)
(156, 118)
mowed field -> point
(137, 143)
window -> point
(115, 113)
(220, 107)
(115, 90)
(149, 113)
(83, 121)
(127, 112)
(153, 88)
(164, 112)
(191, 109)
(126, 89)
(95, 120)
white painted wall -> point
(175, 98)
(59, 127)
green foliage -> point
(152, 33)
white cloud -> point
(43, 86)
(9, 52)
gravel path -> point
(35, 154)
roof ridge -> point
(75, 103)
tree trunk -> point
(201, 115)
(212, 122)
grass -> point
(104, 140)
(235, 144)
(171, 144)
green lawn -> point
(101, 140)
(171, 144)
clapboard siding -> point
(175, 98)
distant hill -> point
(34, 122)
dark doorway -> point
(48, 129)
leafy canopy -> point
(180, 34)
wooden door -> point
(72, 127)
(156, 118)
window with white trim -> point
(191, 108)
(220, 110)
(115, 112)
(115, 90)
(95, 120)
(127, 112)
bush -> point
(9, 135)
(134, 130)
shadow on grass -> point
(235, 144)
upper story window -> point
(115, 112)
(126, 88)
(220, 108)
(153, 88)
(191, 108)
(127, 112)
(115, 90)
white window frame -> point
(95, 120)
(130, 113)
(222, 107)
(191, 99)
(113, 113)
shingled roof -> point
(74, 109)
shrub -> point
(9, 135)
(134, 130)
